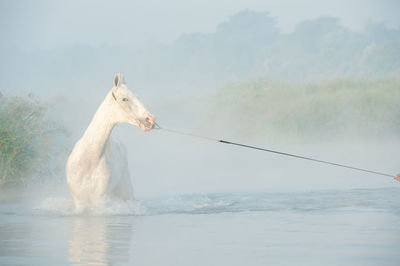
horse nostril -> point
(149, 119)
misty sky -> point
(45, 24)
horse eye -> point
(125, 99)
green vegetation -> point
(307, 111)
(27, 140)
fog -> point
(188, 61)
(46, 24)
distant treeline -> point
(335, 109)
(249, 44)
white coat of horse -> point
(97, 167)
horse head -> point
(128, 109)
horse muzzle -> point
(148, 123)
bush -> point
(27, 141)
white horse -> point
(97, 166)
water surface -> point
(334, 227)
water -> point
(333, 227)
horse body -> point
(97, 166)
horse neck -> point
(98, 132)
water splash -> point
(112, 207)
(319, 201)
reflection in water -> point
(100, 240)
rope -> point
(273, 151)
(187, 134)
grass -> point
(306, 111)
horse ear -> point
(122, 79)
(117, 80)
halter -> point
(115, 98)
